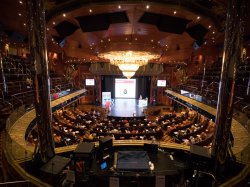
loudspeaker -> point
(151, 148)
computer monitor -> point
(104, 165)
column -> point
(231, 58)
(4, 87)
(41, 82)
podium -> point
(143, 102)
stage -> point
(126, 108)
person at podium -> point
(140, 98)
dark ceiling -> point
(177, 29)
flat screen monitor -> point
(104, 165)
(125, 88)
(161, 83)
(89, 82)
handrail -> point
(245, 107)
(22, 93)
(18, 168)
(15, 97)
(7, 102)
(14, 182)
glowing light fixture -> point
(129, 61)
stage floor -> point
(126, 108)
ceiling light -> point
(152, 40)
(126, 38)
(109, 39)
(175, 12)
(128, 74)
(21, 2)
(101, 41)
(213, 32)
(90, 10)
(119, 6)
(47, 29)
(19, 14)
(64, 15)
(129, 61)
(24, 24)
(147, 7)
(198, 17)
(209, 26)
(135, 38)
(54, 23)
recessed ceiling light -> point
(126, 38)
(24, 24)
(54, 23)
(213, 32)
(109, 39)
(205, 43)
(21, 2)
(147, 7)
(64, 15)
(90, 10)
(101, 40)
(135, 38)
(209, 26)
(93, 43)
(119, 6)
(47, 29)
(152, 40)
(198, 17)
(166, 45)
(19, 14)
(175, 12)
(158, 42)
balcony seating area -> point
(59, 83)
(209, 86)
(18, 75)
(18, 78)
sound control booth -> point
(141, 164)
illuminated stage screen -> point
(125, 88)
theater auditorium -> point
(105, 93)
